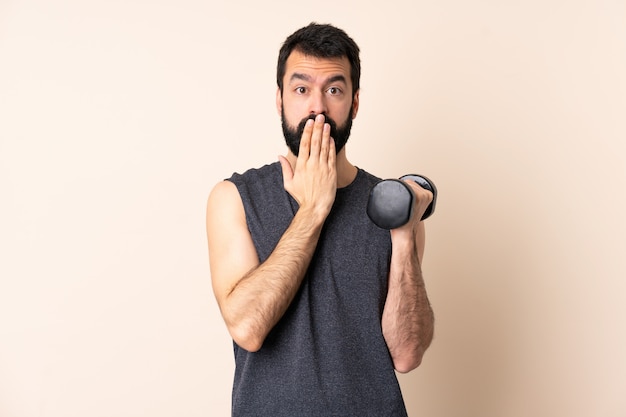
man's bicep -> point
(231, 250)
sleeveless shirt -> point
(327, 355)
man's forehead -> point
(302, 64)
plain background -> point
(118, 117)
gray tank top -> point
(327, 355)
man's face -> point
(314, 86)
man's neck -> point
(346, 172)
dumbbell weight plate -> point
(390, 204)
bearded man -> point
(322, 305)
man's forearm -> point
(408, 320)
(260, 298)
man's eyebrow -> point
(336, 78)
(299, 76)
(330, 80)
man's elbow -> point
(409, 356)
(246, 338)
(408, 363)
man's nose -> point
(317, 103)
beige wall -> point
(117, 117)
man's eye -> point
(300, 90)
(334, 91)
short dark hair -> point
(321, 41)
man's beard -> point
(293, 135)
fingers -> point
(332, 153)
(319, 128)
(315, 140)
(422, 196)
(305, 140)
(325, 141)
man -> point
(322, 305)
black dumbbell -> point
(390, 203)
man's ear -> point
(279, 101)
(355, 104)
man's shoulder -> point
(266, 171)
(266, 180)
(368, 176)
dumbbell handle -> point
(391, 201)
